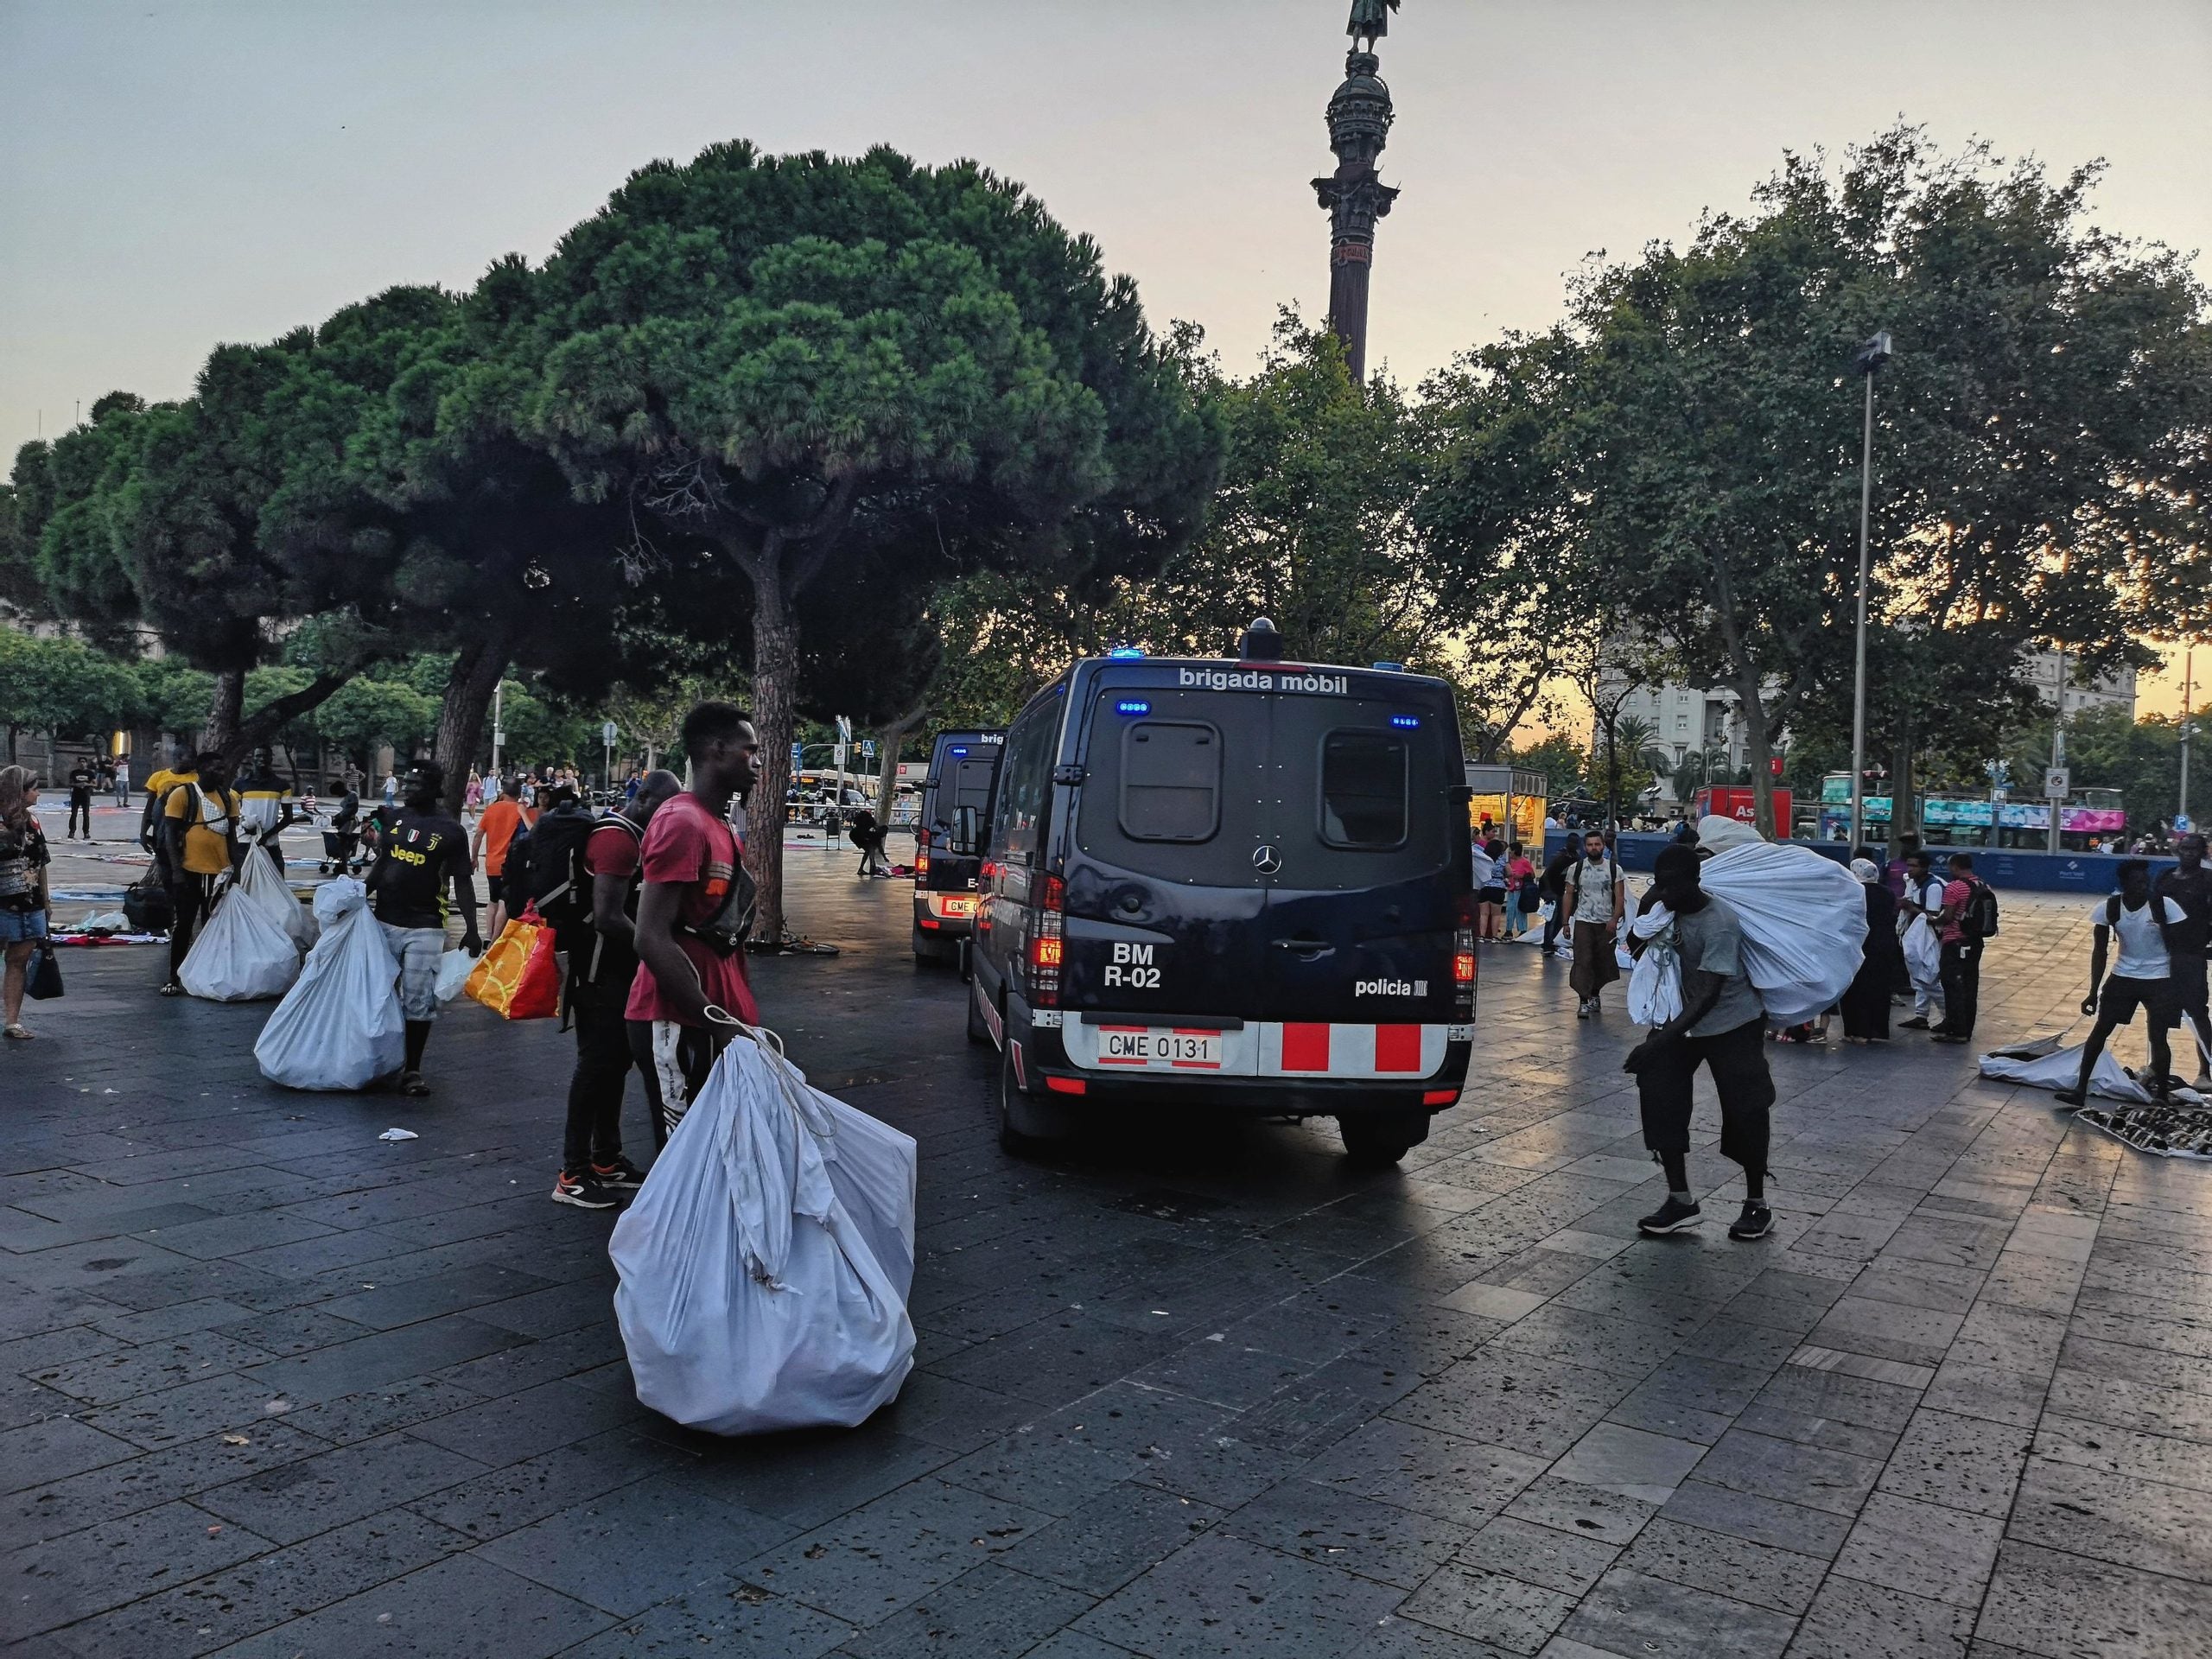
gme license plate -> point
(962, 906)
(1161, 1046)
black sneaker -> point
(2070, 1097)
(621, 1175)
(1670, 1217)
(583, 1192)
(1918, 1022)
(1755, 1222)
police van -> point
(956, 814)
(1242, 887)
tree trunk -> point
(1759, 752)
(1904, 823)
(886, 777)
(248, 736)
(476, 675)
(225, 710)
(775, 683)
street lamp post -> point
(1867, 363)
(2188, 684)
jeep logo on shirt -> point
(1390, 988)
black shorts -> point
(2119, 999)
(497, 885)
(1665, 1090)
(1491, 896)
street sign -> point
(610, 733)
(2056, 784)
(1774, 764)
(867, 749)
(2184, 823)
(844, 728)
(796, 752)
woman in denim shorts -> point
(23, 901)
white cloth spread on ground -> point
(765, 1262)
(241, 954)
(2063, 1070)
(339, 1026)
(1654, 984)
(1804, 921)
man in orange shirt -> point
(495, 832)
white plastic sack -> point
(240, 953)
(259, 882)
(1923, 954)
(1654, 982)
(2063, 1070)
(453, 969)
(339, 1026)
(1804, 921)
(765, 1263)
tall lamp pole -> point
(2188, 684)
(1867, 363)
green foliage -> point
(2106, 748)
(1556, 755)
(177, 695)
(63, 686)
(365, 714)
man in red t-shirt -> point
(603, 963)
(693, 914)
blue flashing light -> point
(1126, 653)
(957, 749)
(1392, 668)
(1406, 720)
(1133, 706)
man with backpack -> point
(596, 925)
(196, 840)
(420, 855)
(2143, 978)
(1966, 924)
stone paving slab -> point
(270, 1386)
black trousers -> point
(2189, 988)
(188, 895)
(81, 805)
(1960, 972)
(1737, 1059)
(597, 1085)
(695, 1050)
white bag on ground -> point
(339, 1026)
(453, 969)
(764, 1264)
(240, 955)
(1654, 982)
(259, 881)
(2063, 1070)
(1804, 921)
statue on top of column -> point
(1370, 22)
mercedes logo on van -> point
(1265, 861)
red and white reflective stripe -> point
(1318, 1050)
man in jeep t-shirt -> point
(1961, 971)
(694, 880)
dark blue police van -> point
(1241, 886)
(956, 814)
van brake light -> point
(921, 854)
(1046, 944)
(1462, 957)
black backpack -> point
(553, 877)
(1979, 919)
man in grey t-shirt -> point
(1722, 1026)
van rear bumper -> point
(930, 919)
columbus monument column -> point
(1360, 124)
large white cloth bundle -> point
(1655, 981)
(241, 955)
(1804, 921)
(339, 1026)
(2063, 1070)
(764, 1264)
(1923, 953)
(259, 881)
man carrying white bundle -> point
(1722, 1026)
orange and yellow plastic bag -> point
(519, 977)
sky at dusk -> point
(175, 174)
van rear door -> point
(1166, 912)
(1367, 831)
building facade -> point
(2114, 690)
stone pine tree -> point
(784, 359)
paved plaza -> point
(273, 1387)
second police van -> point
(1243, 887)
(956, 811)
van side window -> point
(1170, 780)
(1364, 789)
(1026, 781)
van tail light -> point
(1462, 957)
(921, 855)
(1045, 944)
